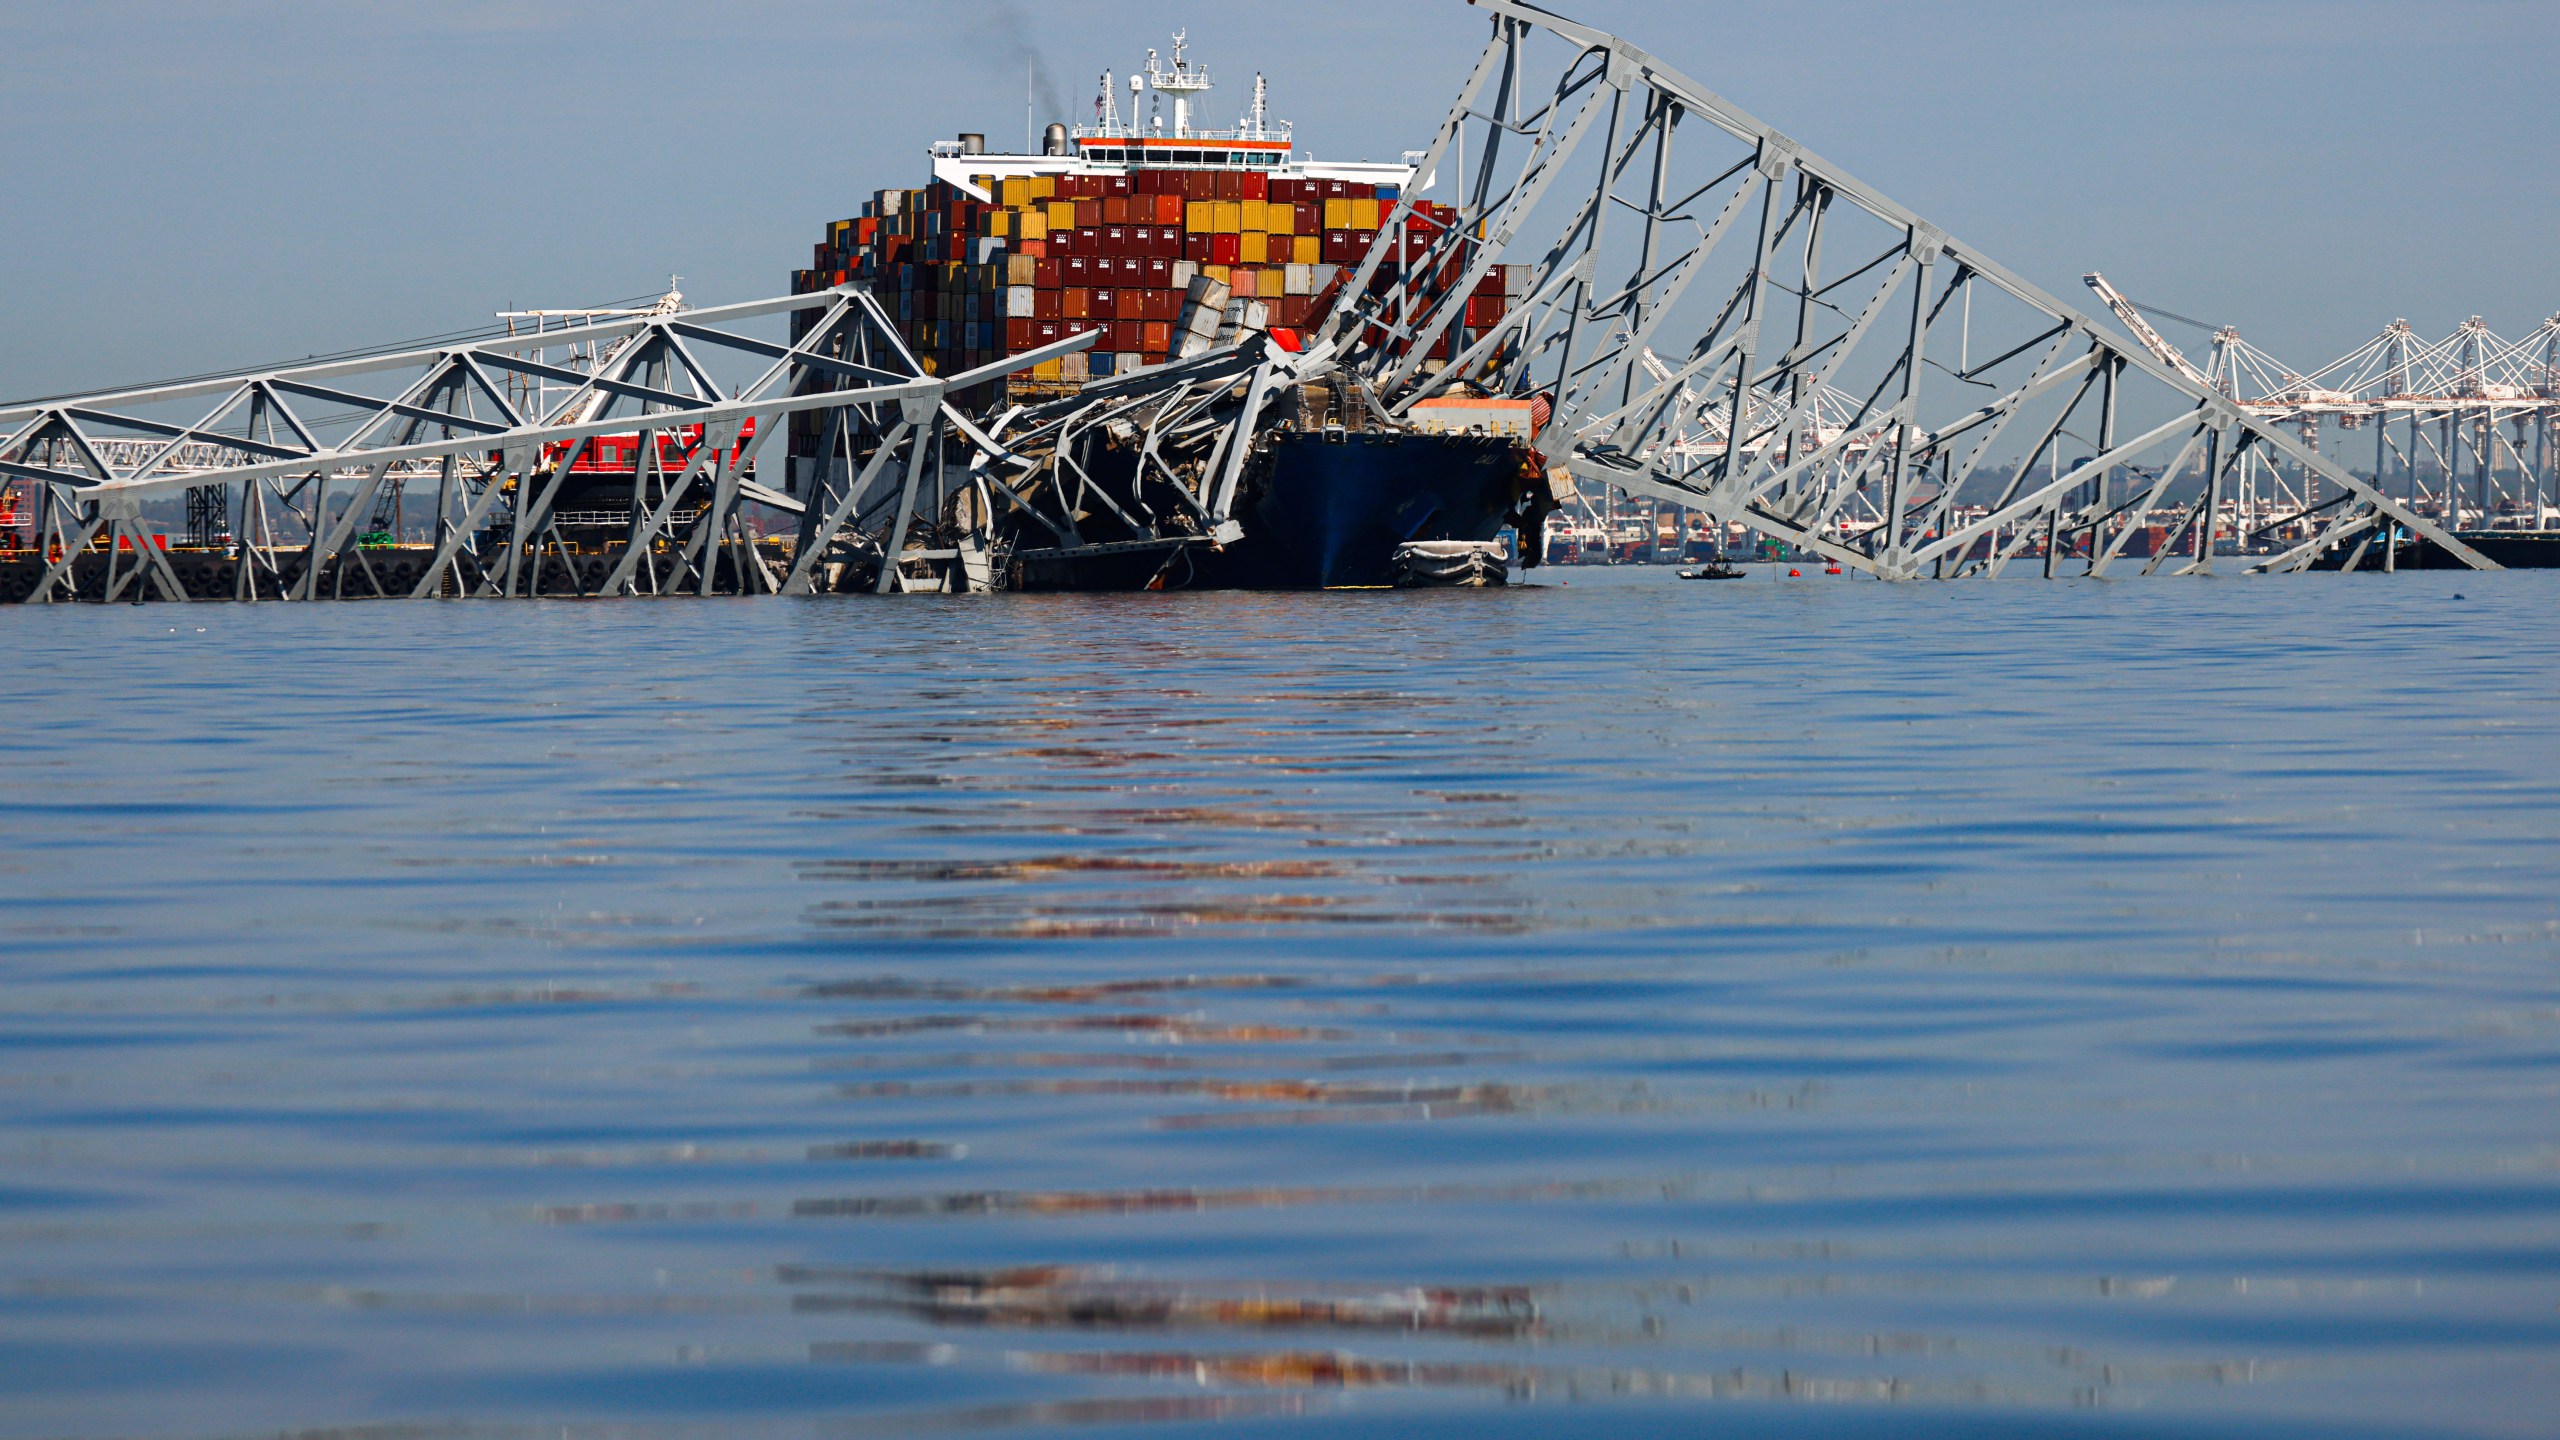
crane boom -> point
(2166, 353)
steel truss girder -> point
(444, 409)
(1815, 402)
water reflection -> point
(1272, 1008)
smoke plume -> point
(998, 28)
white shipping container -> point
(1075, 367)
(1297, 279)
(1020, 301)
(1184, 272)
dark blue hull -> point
(1325, 510)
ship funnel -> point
(972, 143)
(1054, 141)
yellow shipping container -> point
(1000, 223)
(1254, 248)
(1022, 191)
(1364, 214)
(1250, 215)
(1337, 214)
(1049, 370)
(1199, 216)
(1220, 273)
(1309, 250)
(1230, 217)
(1034, 225)
(1062, 214)
(1282, 218)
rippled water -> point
(1611, 1007)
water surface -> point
(1606, 1007)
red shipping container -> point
(1075, 270)
(1253, 185)
(1075, 303)
(1045, 304)
(1033, 248)
(1069, 329)
(1088, 242)
(1484, 311)
(1115, 240)
(1164, 303)
(1088, 214)
(1199, 185)
(1130, 305)
(1115, 210)
(1115, 185)
(1125, 335)
(1226, 249)
(1046, 332)
(1310, 217)
(1195, 248)
(1106, 304)
(1158, 336)
(1337, 189)
(1018, 333)
(1160, 272)
(1337, 248)
(1226, 185)
(1049, 274)
(1169, 210)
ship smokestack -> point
(972, 143)
(1054, 141)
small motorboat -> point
(1713, 570)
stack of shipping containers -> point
(1156, 262)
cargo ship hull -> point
(1322, 510)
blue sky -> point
(221, 182)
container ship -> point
(1125, 229)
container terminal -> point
(1160, 354)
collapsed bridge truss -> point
(1716, 316)
(1703, 287)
